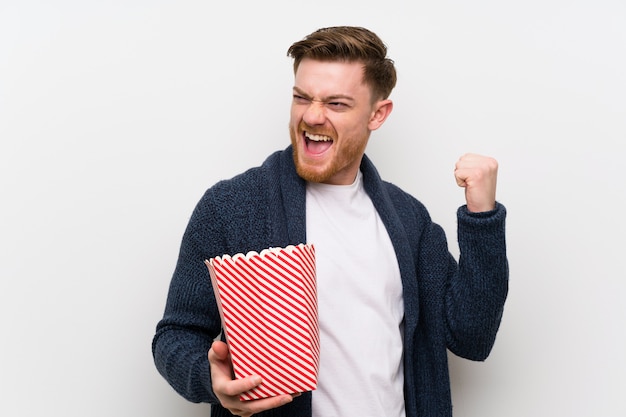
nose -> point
(315, 114)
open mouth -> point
(317, 144)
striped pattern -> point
(268, 303)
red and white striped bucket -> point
(268, 304)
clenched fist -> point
(478, 175)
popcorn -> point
(268, 305)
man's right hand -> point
(228, 389)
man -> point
(392, 299)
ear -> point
(382, 109)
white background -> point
(115, 116)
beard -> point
(306, 173)
(350, 151)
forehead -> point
(329, 78)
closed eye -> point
(337, 105)
(298, 99)
(333, 104)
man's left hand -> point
(478, 175)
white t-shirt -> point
(360, 302)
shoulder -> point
(248, 184)
(239, 196)
(386, 193)
(403, 199)
(382, 189)
(392, 202)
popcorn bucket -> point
(268, 306)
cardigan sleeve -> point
(191, 320)
(478, 286)
(232, 217)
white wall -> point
(116, 115)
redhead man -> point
(392, 300)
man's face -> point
(332, 116)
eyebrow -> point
(324, 99)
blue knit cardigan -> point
(448, 305)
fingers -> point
(221, 366)
(235, 387)
(478, 175)
(219, 350)
(248, 408)
(228, 390)
(470, 165)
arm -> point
(184, 350)
(478, 287)
(189, 325)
